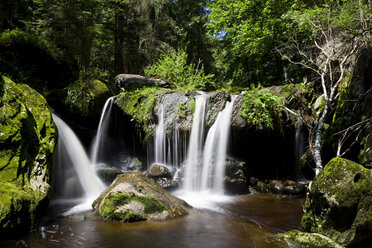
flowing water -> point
(247, 221)
(192, 173)
(103, 127)
(160, 139)
(74, 170)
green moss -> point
(192, 105)
(339, 204)
(139, 105)
(260, 107)
(311, 240)
(27, 137)
(111, 204)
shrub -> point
(172, 67)
(260, 106)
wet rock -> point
(27, 141)
(309, 240)
(235, 179)
(132, 82)
(339, 203)
(167, 183)
(365, 155)
(287, 187)
(159, 171)
(107, 173)
(276, 186)
(76, 218)
(128, 163)
(134, 197)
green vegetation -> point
(311, 240)
(140, 105)
(260, 107)
(173, 67)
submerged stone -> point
(134, 197)
(310, 240)
(339, 204)
(27, 139)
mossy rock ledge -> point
(27, 140)
(134, 197)
(339, 204)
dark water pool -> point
(247, 221)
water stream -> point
(103, 126)
(74, 178)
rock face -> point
(134, 197)
(365, 156)
(131, 82)
(339, 203)
(27, 139)
(81, 100)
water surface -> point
(245, 221)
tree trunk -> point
(119, 39)
(318, 139)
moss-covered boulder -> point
(27, 138)
(134, 197)
(339, 204)
(309, 240)
(82, 100)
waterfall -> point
(169, 149)
(73, 160)
(192, 173)
(205, 168)
(99, 140)
(215, 149)
(160, 138)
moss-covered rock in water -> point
(339, 204)
(310, 240)
(27, 138)
(134, 197)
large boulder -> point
(81, 100)
(134, 197)
(27, 139)
(339, 204)
(132, 82)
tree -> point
(246, 33)
(337, 31)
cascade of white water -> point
(215, 149)
(99, 140)
(72, 152)
(192, 175)
(160, 138)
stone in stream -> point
(134, 197)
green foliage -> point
(139, 104)
(27, 58)
(173, 67)
(79, 98)
(260, 107)
(192, 105)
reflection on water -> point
(248, 221)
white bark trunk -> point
(318, 140)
